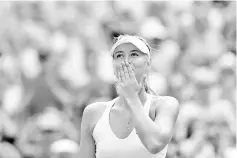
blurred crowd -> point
(55, 61)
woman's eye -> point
(119, 56)
(134, 54)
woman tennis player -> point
(136, 124)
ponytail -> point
(148, 89)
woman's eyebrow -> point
(118, 52)
(135, 50)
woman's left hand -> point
(128, 86)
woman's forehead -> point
(125, 46)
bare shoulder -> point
(93, 108)
(167, 102)
(93, 112)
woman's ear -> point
(148, 63)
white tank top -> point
(110, 146)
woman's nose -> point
(127, 59)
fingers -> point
(119, 83)
(119, 76)
(132, 67)
(125, 70)
(131, 73)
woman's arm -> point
(155, 135)
(87, 144)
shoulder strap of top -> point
(102, 122)
(109, 106)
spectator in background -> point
(40, 91)
(7, 131)
(227, 68)
(42, 129)
(203, 79)
(64, 148)
(8, 150)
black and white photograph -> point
(118, 79)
